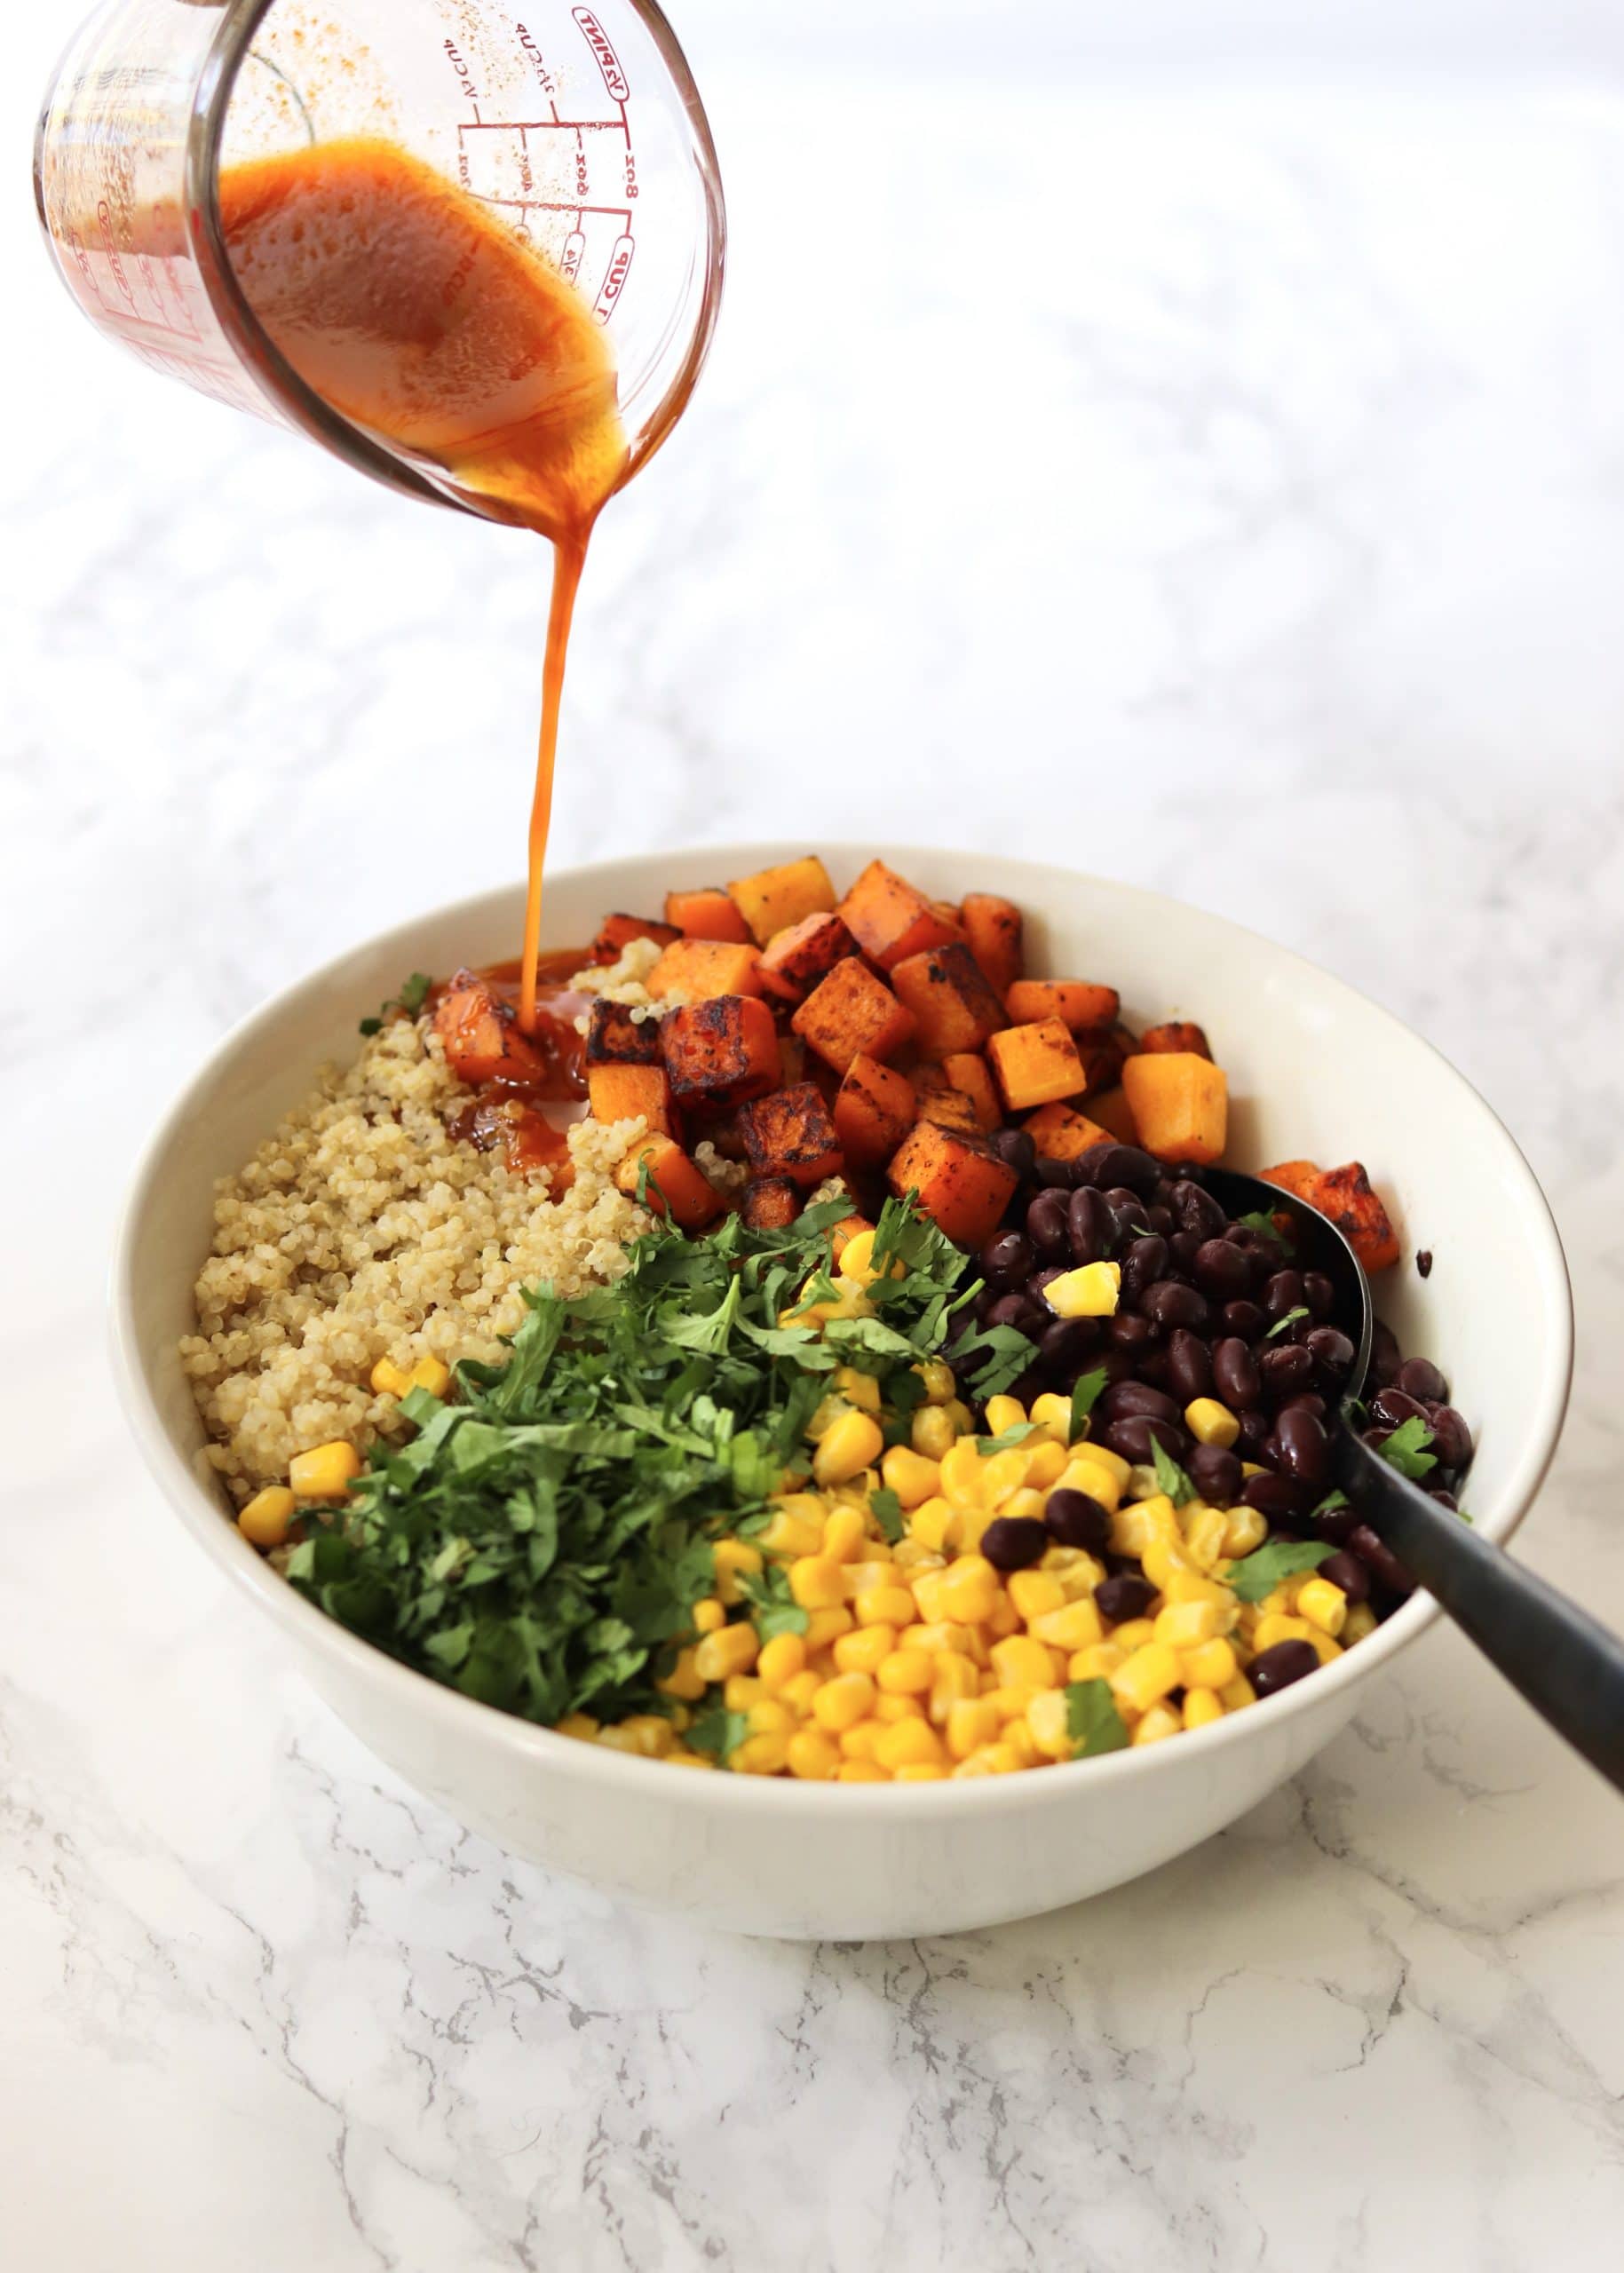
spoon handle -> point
(1569, 1668)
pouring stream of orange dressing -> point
(401, 303)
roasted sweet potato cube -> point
(1035, 1064)
(850, 1014)
(706, 912)
(772, 1203)
(948, 991)
(480, 1035)
(1345, 1194)
(1103, 1056)
(791, 1059)
(873, 1111)
(618, 932)
(962, 1185)
(1177, 1036)
(1110, 1108)
(1060, 1134)
(967, 1071)
(702, 969)
(773, 899)
(890, 920)
(791, 1133)
(951, 916)
(797, 959)
(720, 1052)
(613, 1037)
(1081, 1006)
(626, 1092)
(993, 927)
(1180, 1105)
(936, 1099)
(676, 1186)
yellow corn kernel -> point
(1130, 1534)
(963, 1473)
(1079, 1575)
(1244, 1530)
(580, 1725)
(388, 1380)
(1002, 1620)
(853, 1444)
(890, 1708)
(963, 1419)
(1004, 1412)
(815, 1582)
(1148, 1676)
(325, 1473)
(769, 1717)
(732, 1650)
(1322, 1645)
(969, 1588)
(826, 1626)
(1202, 1707)
(858, 1741)
(733, 1559)
(932, 1525)
(1142, 1483)
(936, 1640)
(972, 1722)
(931, 1432)
(780, 1659)
(1002, 1474)
(1190, 1586)
(760, 1755)
(1205, 1531)
(1210, 1664)
(864, 1650)
(708, 1616)
(885, 1606)
(1133, 1634)
(1025, 1504)
(936, 1375)
(681, 1759)
(1182, 1624)
(1077, 1626)
(1034, 1592)
(1023, 1663)
(1360, 1620)
(429, 1374)
(616, 1739)
(1047, 1720)
(1276, 1627)
(799, 1691)
(990, 1760)
(906, 1673)
(906, 1743)
(740, 1691)
(956, 1680)
(910, 1476)
(1323, 1605)
(812, 1756)
(921, 1771)
(1161, 1720)
(1046, 1463)
(1052, 1413)
(684, 1680)
(1090, 1291)
(1162, 1562)
(826, 1413)
(927, 1585)
(264, 1521)
(1237, 1694)
(1011, 1699)
(1097, 1664)
(1210, 1422)
(859, 1389)
(843, 1701)
(861, 1771)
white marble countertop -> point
(1233, 482)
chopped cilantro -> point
(773, 1608)
(1170, 1478)
(1261, 1222)
(718, 1732)
(1017, 1435)
(1093, 1721)
(1331, 1502)
(1087, 1392)
(1259, 1573)
(1290, 1319)
(886, 1509)
(413, 993)
(1008, 1354)
(1406, 1449)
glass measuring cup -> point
(580, 127)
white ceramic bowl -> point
(1314, 1070)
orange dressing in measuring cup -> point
(397, 300)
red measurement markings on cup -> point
(608, 61)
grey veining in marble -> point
(1232, 486)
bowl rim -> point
(190, 1500)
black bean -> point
(1286, 1368)
(1128, 1213)
(1319, 1292)
(1169, 1303)
(1451, 1439)
(1392, 1408)
(1278, 1667)
(1245, 1319)
(1144, 1262)
(1220, 1271)
(1130, 1439)
(1194, 1209)
(1188, 1366)
(1017, 1150)
(1379, 1559)
(1235, 1375)
(1136, 1335)
(1215, 1474)
(1160, 1220)
(1332, 1352)
(1007, 1260)
(1385, 1358)
(1013, 1542)
(1347, 1572)
(1053, 1176)
(1123, 1164)
(1281, 1498)
(1117, 1366)
(1333, 1525)
(1282, 1292)
(1444, 1499)
(1015, 1310)
(1125, 1596)
(1048, 1226)
(1062, 1344)
(1090, 1226)
(1076, 1520)
(1305, 1449)
(1184, 1247)
(1153, 1368)
(1254, 1427)
(1126, 1400)
(1419, 1377)
(1037, 1282)
(1306, 1400)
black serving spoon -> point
(1569, 1668)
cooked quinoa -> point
(363, 1230)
